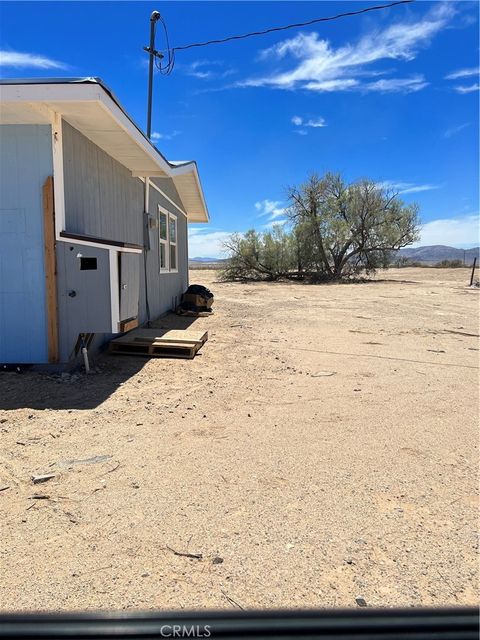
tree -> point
(336, 230)
(348, 228)
(267, 255)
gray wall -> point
(163, 288)
(88, 311)
(25, 163)
(102, 199)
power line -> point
(291, 26)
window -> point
(168, 241)
(163, 235)
(172, 233)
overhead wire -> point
(168, 68)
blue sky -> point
(391, 95)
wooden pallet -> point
(160, 343)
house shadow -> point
(75, 390)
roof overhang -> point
(91, 108)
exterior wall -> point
(102, 199)
(25, 163)
(88, 311)
(165, 287)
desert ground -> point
(321, 447)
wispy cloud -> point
(463, 73)
(22, 60)
(315, 123)
(320, 67)
(156, 135)
(391, 85)
(457, 231)
(205, 243)
(270, 209)
(207, 69)
(407, 187)
(467, 88)
(454, 130)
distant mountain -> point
(205, 260)
(439, 252)
(430, 254)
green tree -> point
(336, 230)
(350, 227)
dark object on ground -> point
(349, 624)
(473, 271)
(184, 554)
(197, 300)
(200, 290)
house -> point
(93, 221)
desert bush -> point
(260, 256)
(402, 262)
(449, 264)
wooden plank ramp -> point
(160, 343)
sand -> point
(321, 446)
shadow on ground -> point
(37, 390)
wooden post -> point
(50, 269)
(473, 271)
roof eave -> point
(83, 90)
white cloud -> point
(314, 123)
(203, 243)
(454, 130)
(19, 60)
(202, 69)
(156, 135)
(463, 73)
(270, 209)
(468, 88)
(318, 66)
(417, 188)
(458, 231)
(407, 187)
(389, 85)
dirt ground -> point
(321, 447)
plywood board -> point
(50, 269)
(164, 335)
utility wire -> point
(292, 26)
(166, 69)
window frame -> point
(167, 243)
(164, 242)
(173, 218)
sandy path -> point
(323, 444)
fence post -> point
(473, 271)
